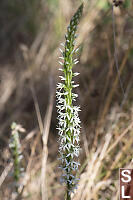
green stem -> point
(68, 197)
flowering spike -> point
(68, 119)
(15, 147)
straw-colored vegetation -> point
(31, 32)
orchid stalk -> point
(15, 147)
(68, 118)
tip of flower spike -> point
(81, 7)
(77, 15)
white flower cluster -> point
(15, 143)
(17, 156)
(68, 118)
(68, 130)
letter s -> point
(126, 173)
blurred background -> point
(30, 36)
